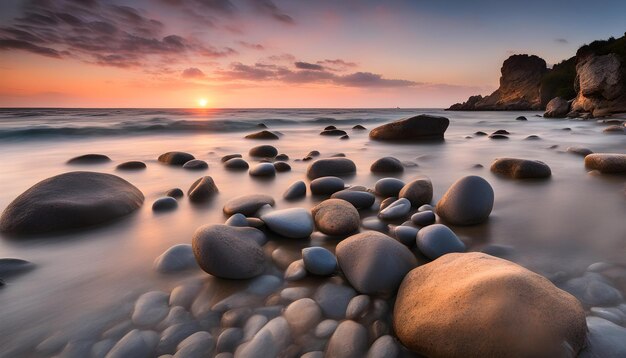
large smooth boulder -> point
(336, 217)
(373, 262)
(418, 192)
(521, 168)
(175, 158)
(476, 305)
(607, 163)
(467, 202)
(557, 108)
(70, 201)
(331, 167)
(414, 128)
(228, 252)
(202, 189)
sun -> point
(203, 102)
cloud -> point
(192, 72)
(561, 41)
(100, 33)
(297, 75)
(337, 64)
(223, 6)
(267, 7)
(251, 46)
(285, 57)
(308, 66)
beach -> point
(85, 282)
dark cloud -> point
(101, 33)
(223, 6)
(561, 40)
(308, 66)
(192, 72)
(251, 46)
(285, 57)
(337, 64)
(267, 7)
(271, 72)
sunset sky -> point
(279, 53)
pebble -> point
(101, 348)
(358, 199)
(387, 165)
(196, 164)
(374, 223)
(357, 307)
(175, 158)
(302, 315)
(333, 132)
(247, 205)
(385, 203)
(582, 151)
(253, 326)
(151, 308)
(336, 217)
(405, 234)
(237, 219)
(11, 266)
(388, 187)
(468, 201)
(296, 190)
(296, 271)
(176, 258)
(262, 135)
(229, 339)
(521, 118)
(199, 344)
(521, 168)
(326, 185)
(175, 193)
(333, 299)
(319, 261)
(202, 189)
(264, 285)
(331, 167)
(295, 223)
(282, 157)
(136, 344)
(359, 127)
(268, 342)
(229, 156)
(605, 339)
(165, 203)
(384, 347)
(437, 240)
(173, 335)
(418, 191)
(325, 328)
(89, 159)
(498, 136)
(263, 170)
(423, 218)
(295, 293)
(236, 164)
(426, 207)
(282, 167)
(263, 151)
(349, 340)
(131, 165)
(593, 289)
(396, 210)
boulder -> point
(70, 201)
(467, 202)
(607, 163)
(418, 191)
(601, 83)
(132, 165)
(446, 307)
(521, 168)
(336, 217)
(388, 187)
(263, 170)
(387, 165)
(175, 158)
(89, 159)
(326, 185)
(557, 108)
(374, 263)
(247, 205)
(236, 164)
(296, 190)
(262, 135)
(421, 127)
(202, 189)
(229, 252)
(165, 203)
(331, 167)
(196, 164)
(295, 223)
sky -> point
(280, 53)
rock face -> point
(228, 252)
(521, 168)
(467, 202)
(421, 127)
(373, 262)
(557, 108)
(600, 84)
(519, 89)
(444, 308)
(70, 201)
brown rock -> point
(414, 128)
(336, 217)
(607, 163)
(557, 108)
(476, 305)
(521, 168)
(202, 189)
(418, 191)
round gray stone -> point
(437, 240)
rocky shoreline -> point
(377, 289)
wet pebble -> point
(423, 218)
(132, 165)
(175, 158)
(296, 190)
(166, 203)
(437, 240)
(263, 170)
(263, 151)
(247, 204)
(387, 165)
(268, 342)
(296, 271)
(196, 164)
(237, 219)
(333, 299)
(418, 191)
(229, 156)
(295, 223)
(175, 193)
(336, 217)
(388, 187)
(229, 339)
(405, 234)
(199, 344)
(396, 210)
(202, 189)
(319, 261)
(302, 315)
(349, 340)
(384, 347)
(358, 199)
(357, 307)
(282, 167)
(137, 344)
(150, 308)
(176, 258)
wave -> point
(157, 125)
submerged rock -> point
(11, 266)
(89, 159)
(387, 165)
(445, 307)
(247, 205)
(70, 201)
(373, 262)
(264, 151)
(132, 165)
(331, 167)
(467, 202)
(229, 252)
(175, 158)
(236, 164)
(196, 164)
(177, 258)
(164, 203)
(262, 135)
(521, 168)
(414, 128)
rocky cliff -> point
(592, 83)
